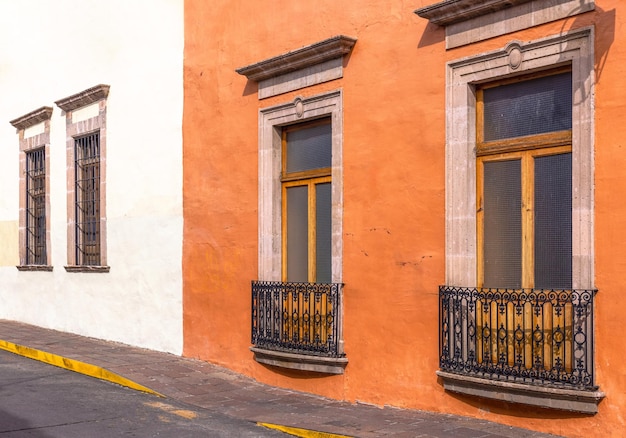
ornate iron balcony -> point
(302, 318)
(530, 336)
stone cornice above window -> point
(78, 100)
(32, 118)
(470, 21)
(454, 11)
(298, 59)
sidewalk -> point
(220, 390)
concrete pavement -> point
(220, 390)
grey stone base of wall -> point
(553, 398)
(304, 362)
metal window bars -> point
(300, 318)
(530, 336)
(36, 207)
(87, 205)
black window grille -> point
(87, 191)
(36, 207)
(541, 337)
(302, 318)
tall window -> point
(86, 133)
(524, 221)
(36, 207)
(507, 183)
(34, 213)
(524, 183)
(306, 195)
(87, 189)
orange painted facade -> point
(394, 123)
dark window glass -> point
(502, 224)
(36, 207)
(553, 221)
(297, 234)
(309, 148)
(87, 191)
(535, 106)
(323, 232)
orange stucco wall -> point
(394, 231)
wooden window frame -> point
(556, 138)
(309, 178)
(527, 214)
(523, 148)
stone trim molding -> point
(32, 118)
(307, 56)
(583, 401)
(469, 21)
(303, 362)
(28, 143)
(310, 65)
(78, 100)
(454, 11)
(271, 121)
(574, 48)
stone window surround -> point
(271, 120)
(573, 48)
(468, 21)
(94, 95)
(26, 144)
(300, 68)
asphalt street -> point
(43, 401)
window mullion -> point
(480, 222)
(284, 232)
(528, 219)
(312, 232)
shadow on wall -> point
(603, 40)
(433, 34)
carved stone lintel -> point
(299, 107)
(515, 54)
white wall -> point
(50, 50)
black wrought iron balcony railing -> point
(530, 336)
(302, 318)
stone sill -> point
(303, 362)
(33, 268)
(583, 401)
(87, 268)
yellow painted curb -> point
(304, 433)
(74, 365)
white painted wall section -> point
(49, 51)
